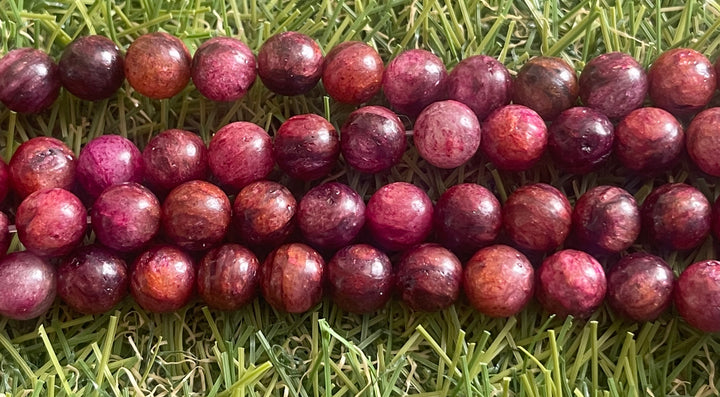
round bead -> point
(697, 295)
(264, 213)
(681, 81)
(614, 84)
(290, 63)
(514, 138)
(413, 80)
(547, 85)
(92, 68)
(360, 278)
(648, 140)
(482, 83)
(352, 72)
(580, 139)
(292, 278)
(162, 279)
(372, 139)
(399, 215)
(606, 219)
(157, 65)
(331, 215)
(306, 147)
(29, 80)
(173, 157)
(640, 286)
(240, 153)
(106, 161)
(27, 286)
(703, 141)
(429, 278)
(677, 216)
(447, 134)
(42, 163)
(223, 69)
(537, 217)
(228, 277)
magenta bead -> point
(4, 180)
(352, 72)
(681, 81)
(51, 222)
(223, 69)
(264, 213)
(547, 85)
(27, 286)
(106, 161)
(92, 280)
(614, 84)
(649, 140)
(703, 141)
(331, 215)
(290, 63)
(125, 217)
(399, 215)
(372, 139)
(606, 219)
(173, 157)
(697, 295)
(413, 80)
(676, 216)
(580, 139)
(514, 138)
(482, 83)
(29, 80)
(447, 134)
(240, 153)
(306, 147)
(640, 286)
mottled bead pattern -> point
(125, 217)
(547, 85)
(306, 147)
(42, 163)
(466, 218)
(29, 80)
(571, 283)
(703, 142)
(372, 139)
(331, 215)
(447, 134)
(92, 280)
(537, 217)
(428, 278)
(514, 138)
(413, 80)
(482, 83)
(697, 295)
(614, 84)
(677, 216)
(352, 72)
(360, 278)
(109, 160)
(158, 65)
(649, 140)
(223, 69)
(606, 219)
(196, 215)
(292, 278)
(681, 81)
(240, 153)
(264, 213)
(162, 279)
(398, 216)
(173, 157)
(290, 63)
(580, 139)
(51, 222)
(228, 277)
(27, 286)
(640, 286)
(92, 68)
(499, 281)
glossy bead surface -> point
(173, 157)
(264, 213)
(290, 63)
(482, 83)
(306, 147)
(537, 217)
(109, 160)
(398, 216)
(240, 153)
(676, 216)
(352, 72)
(4, 180)
(681, 81)
(92, 280)
(27, 286)
(447, 134)
(360, 278)
(514, 138)
(42, 163)
(51, 222)
(125, 217)
(606, 219)
(429, 278)
(614, 84)
(547, 85)
(157, 65)
(196, 215)
(649, 140)
(162, 279)
(292, 278)
(640, 286)
(29, 80)
(703, 142)
(580, 139)
(413, 80)
(372, 139)
(92, 68)
(223, 69)
(228, 277)
(697, 295)
(331, 215)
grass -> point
(259, 352)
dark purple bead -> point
(640, 286)
(173, 157)
(606, 219)
(372, 139)
(697, 295)
(413, 80)
(360, 278)
(429, 278)
(92, 280)
(223, 69)
(29, 80)
(447, 134)
(331, 215)
(482, 83)
(228, 277)
(240, 153)
(649, 140)
(514, 138)
(306, 147)
(51, 222)
(580, 139)
(681, 81)
(106, 161)
(92, 68)
(352, 72)
(290, 63)
(126, 216)
(264, 213)
(614, 84)
(27, 286)
(677, 216)
(196, 215)
(5, 237)
(4, 180)
(162, 279)
(547, 85)
(292, 278)
(399, 216)
(703, 141)
(467, 217)
(42, 163)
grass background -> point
(257, 351)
